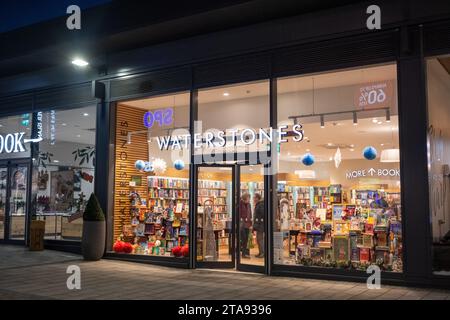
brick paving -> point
(42, 275)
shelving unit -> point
(321, 197)
(161, 214)
(335, 193)
(217, 192)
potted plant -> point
(94, 230)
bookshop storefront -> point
(314, 159)
(304, 170)
(321, 184)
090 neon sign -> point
(162, 117)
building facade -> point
(304, 146)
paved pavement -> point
(42, 275)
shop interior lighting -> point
(353, 112)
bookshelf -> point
(217, 192)
(335, 193)
(161, 214)
(321, 197)
(302, 198)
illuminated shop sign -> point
(12, 143)
(219, 139)
(364, 173)
(162, 117)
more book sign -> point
(371, 172)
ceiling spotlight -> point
(64, 124)
(56, 161)
(379, 122)
(226, 94)
(355, 119)
(86, 114)
(78, 136)
(322, 122)
(80, 62)
(388, 115)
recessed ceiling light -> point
(86, 114)
(78, 135)
(374, 120)
(382, 144)
(226, 94)
(329, 144)
(289, 153)
(352, 146)
(352, 149)
(80, 62)
(56, 161)
(308, 150)
(64, 124)
(379, 122)
(1, 125)
(330, 158)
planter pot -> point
(93, 241)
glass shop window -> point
(438, 87)
(151, 187)
(63, 170)
(339, 188)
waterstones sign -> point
(231, 137)
(364, 173)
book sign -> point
(374, 95)
(371, 172)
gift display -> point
(358, 234)
(159, 218)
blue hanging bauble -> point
(178, 164)
(308, 159)
(370, 153)
(139, 165)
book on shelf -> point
(168, 182)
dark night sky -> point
(19, 13)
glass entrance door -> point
(215, 216)
(251, 213)
(13, 200)
(231, 215)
